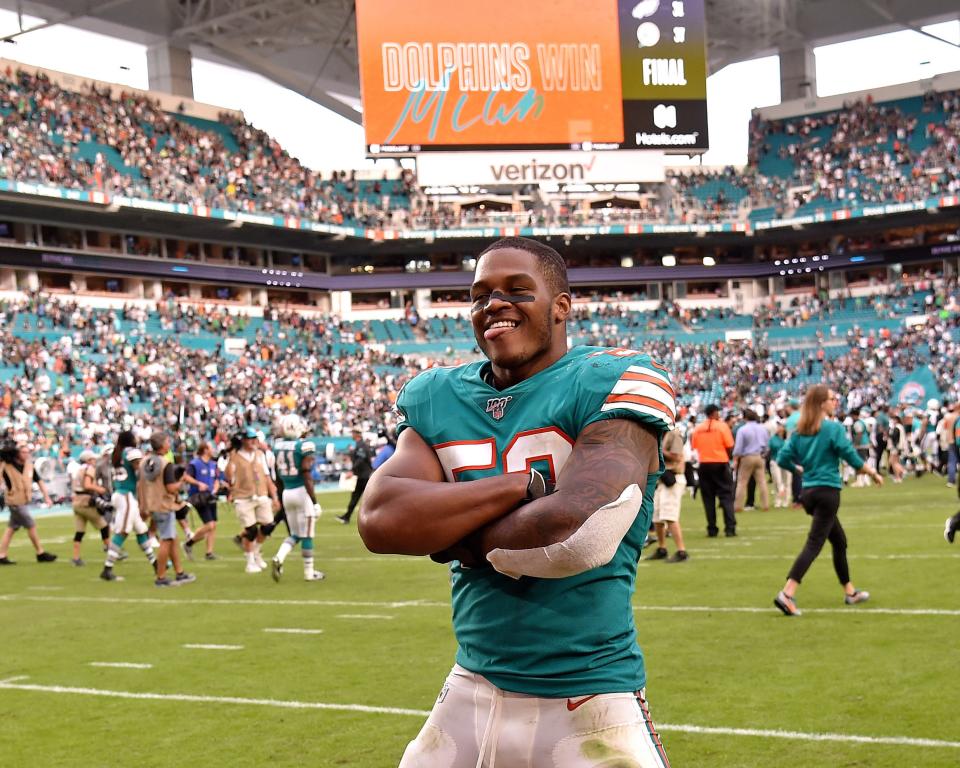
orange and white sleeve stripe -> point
(645, 390)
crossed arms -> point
(409, 509)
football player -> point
(533, 474)
(126, 509)
(295, 456)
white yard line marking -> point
(905, 741)
(120, 665)
(771, 610)
(12, 684)
(27, 543)
(863, 611)
(928, 556)
(213, 647)
(211, 601)
(363, 616)
(292, 631)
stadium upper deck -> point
(108, 145)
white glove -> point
(317, 511)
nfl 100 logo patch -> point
(496, 406)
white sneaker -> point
(252, 568)
(317, 576)
(261, 563)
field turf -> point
(732, 682)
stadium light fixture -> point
(669, 260)
(709, 261)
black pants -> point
(822, 503)
(955, 520)
(716, 484)
(355, 496)
(796, 487)
(879, 449)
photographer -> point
(159, 487)
(203, 476)
(16, 469)
(668, 497)
(89, 504)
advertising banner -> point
(538, 167)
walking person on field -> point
(668, 497)
(713, 442)
(782, 479)
(749, 459)
(158, 491)
(815, 451)
(85, 510)
(18, 475)
(362, 467)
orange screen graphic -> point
(499, 72)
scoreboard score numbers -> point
(538, 74)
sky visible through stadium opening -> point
(325, 141)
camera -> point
(9, 452)
(102, 504)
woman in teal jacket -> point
(815, 450)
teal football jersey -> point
(125, 476)
(290, 455)
(543, 637)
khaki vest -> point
(83, 472)
(156, 497)
(21, 484)
(249, 478)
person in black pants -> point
(713, 442)
(361, 461)
(814, 451)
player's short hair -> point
(552, 266)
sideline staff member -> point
(713, 442)
(815, 451)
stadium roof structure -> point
(310, 46)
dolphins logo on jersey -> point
(496, 406)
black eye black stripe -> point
(509, 298)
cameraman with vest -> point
(88, 504)
(254, 496)
(18, 476)
(158, 489)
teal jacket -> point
(819, 455)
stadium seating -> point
(863, 153)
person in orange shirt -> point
(713, 442)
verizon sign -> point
(546, 167)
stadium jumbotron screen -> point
(543, 74)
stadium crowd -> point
(92, 373)
(869, 155)
(106, 369)
(163, 157)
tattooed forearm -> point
(607, 457)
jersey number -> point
(548, 445)
(286, 465)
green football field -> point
(342, 672)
